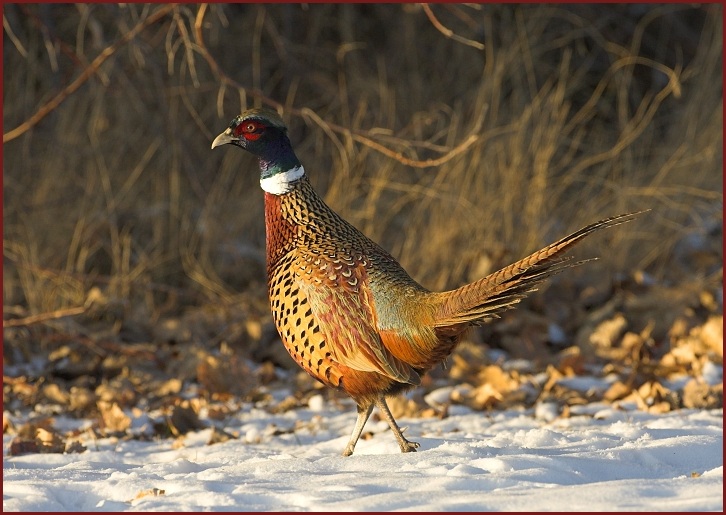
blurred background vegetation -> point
(459, 137)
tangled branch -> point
(448, 32)
(364, 139)
(87, 73)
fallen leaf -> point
(219, 436)
(154, 492)
(113, 419)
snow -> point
(600, 458)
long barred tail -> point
(491, 295)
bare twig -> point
(328, 126)
(448, 32)
(16, 41)
(91, 69)
(468, 142)
(43, 317)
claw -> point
(409, 446)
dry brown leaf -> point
(183, 419)
(46, 437)
(8, 426)
(654, 393)
(708, 300)
(71, 361)
(496, 387)
(524, 334)
(225, 375)
(49, 441)
(432, 413)
(460, 392)
(81, 399)
(266, 373)
(697, 394)
(54, 394)
(119, 390)
(254, 328)
(113, 419)
(553, 375)
(660, 407)
(607, 333)
(466, 361)
(514, 398)
(154, 492)
(220, 435)
(30, 429)
(594, 295)
(631, 344)
(617, 391)
(711, 334)
(288, 403)
(678, 330)
(460, 368)
(20, 445)
(75, 447)
(169, 387)
(218, 411)
(661, 304)
(633, 397)
(20, 386)
(497, 378)
(171, 330)
(401, 406)
(653, 397)
(367, 435)
(485, 396)
(571, 361)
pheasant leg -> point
(363, 414)
(404, 444)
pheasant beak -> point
(223, 139)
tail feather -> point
(487, 297)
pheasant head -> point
(263, 133)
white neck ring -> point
(281, 183)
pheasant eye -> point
(250, 130)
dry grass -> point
(114, 201)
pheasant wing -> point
(342, 305)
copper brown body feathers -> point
(346, 311)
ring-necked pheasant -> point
(346, 311)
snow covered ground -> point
(598, 459)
